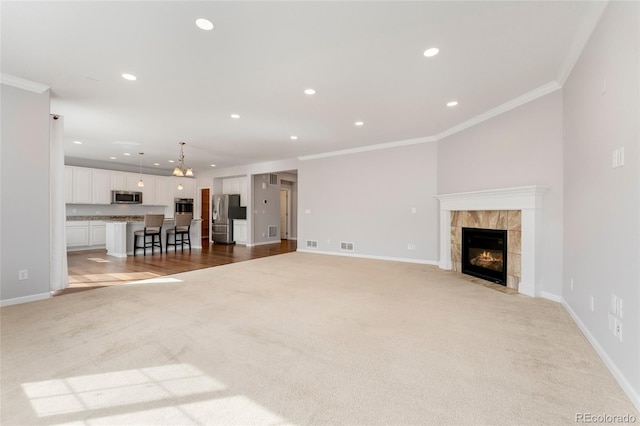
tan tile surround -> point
(509, 220)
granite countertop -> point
(128, 219)
(108, 218)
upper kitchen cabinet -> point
(101, 186)
(236, 185)
(118, 181)
(149, 197)
(132, 183)
(163, 191)
(78, 185)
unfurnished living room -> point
(320, 212)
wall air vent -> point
(346, 246)
(273, 179)
(273, 231)
(312, 244)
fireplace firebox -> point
(484, 254)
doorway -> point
(285, 213)
(205, 214)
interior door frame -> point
(288, 212)
(199, 205)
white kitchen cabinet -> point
(236, 185)
(82, 187)
(101, 180)
(78, 233)
(84, 234)
(149, 190)
(240, 231)
(132, 182)
(118, 181)
(97, 233)
(164, 194)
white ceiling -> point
(365, 59)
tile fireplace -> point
(497, 207)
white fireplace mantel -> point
(527, 199)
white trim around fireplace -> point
(527, 199)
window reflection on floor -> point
(170, 394)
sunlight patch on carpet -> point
(120, 388)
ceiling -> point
(364, 59)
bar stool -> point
(181, 228)
(152, 228)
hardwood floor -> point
(91, 269)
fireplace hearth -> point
(484, 254)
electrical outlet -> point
(619, 330)
(592, 303)
(23, 274)
(414, 210)
(571, 284)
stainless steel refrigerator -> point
(225, 208)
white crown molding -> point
(501, 109)
(21, 83)
(385, 145)
(580, 41)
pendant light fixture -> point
(141, 182)
(181, 170)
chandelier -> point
(181, 169)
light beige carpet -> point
(300, 339)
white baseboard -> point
(25, 299)
(552, 297)
(628, 389)
(366, 256)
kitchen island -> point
(120, 235)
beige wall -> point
(602, 204)
(24, 184)
(367, 199)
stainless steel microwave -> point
(126, 197)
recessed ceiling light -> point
(129, 77)
(433, 51)
(213, 165)
(204, 24)
(156, 164)
(77, 142)
(113, 158)
(309, 92)
(126, 153)
(452, 103)
(293, 138)
(359, 123)
(234, 116)
(171, 161)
